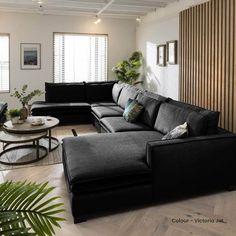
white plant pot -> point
(15, 120)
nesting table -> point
(26, 135)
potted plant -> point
(24, 98)
(127, 71)
(14, 115)
(26, 209)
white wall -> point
(33, 28)
(157, 28)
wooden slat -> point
(216, 52)
(222, 109)
(219, 105)
(212, 55)
(207, 55)
(234, 81)
(195, 54)
(185, 56)
(180, 58)
(231, 61)
(227, 79)
(198, 55)
(208, 58)
(203, 55)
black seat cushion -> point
(62, 107)
(170, 116)
(65, 92)
(99, 91)
(105, 161)
(126, 93)
(151, 107)
(119, 124)
(212, 116)
(107, 111)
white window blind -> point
(79, 57)
(4, 63)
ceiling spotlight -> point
(97, 21)
(138, 19)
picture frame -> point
(30, 56)
(172, 52)
(161, 55)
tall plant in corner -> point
(24, 211)
(127, 71)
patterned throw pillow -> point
(180, 131)
(128, 103)
(132, 111)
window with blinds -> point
(80, 57)
(4, 63)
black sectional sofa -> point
(129, 164)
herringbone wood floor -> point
(156, 220)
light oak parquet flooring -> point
(154, 220)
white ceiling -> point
(118, 8)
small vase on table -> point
(24, 112)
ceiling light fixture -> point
(138, 19)
(98, 20)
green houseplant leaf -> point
(127, 71)
(23, 97)
(24, 210)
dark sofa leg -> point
(80, 219)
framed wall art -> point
(172, 52)
(30, 56)
(161, 55)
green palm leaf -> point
(25, 211)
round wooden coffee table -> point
(27, 132)
(10, 138)
(28, 128)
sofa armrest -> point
(181, 165)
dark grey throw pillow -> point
(180, 131)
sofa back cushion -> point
(65, 92)
(211, 116)
(127, 92)
(156, 96)
(99, 91)
(116, 90)
(151, 107)
(170, 116)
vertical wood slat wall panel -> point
(208, 58)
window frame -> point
(9, 52)
(74, 33)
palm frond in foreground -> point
(25, 211)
